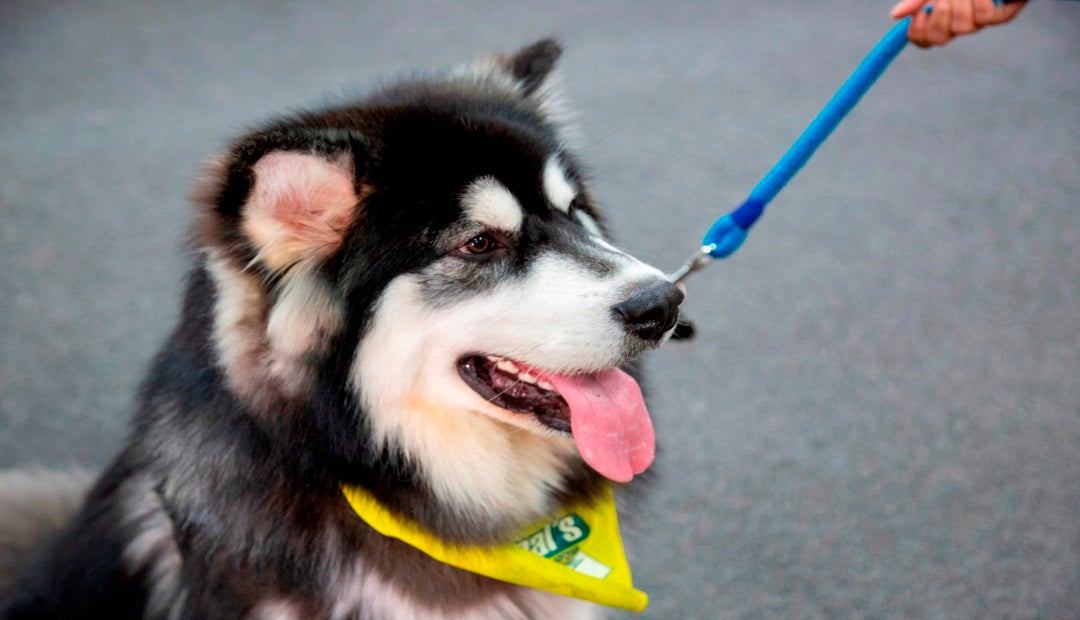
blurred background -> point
(880, 416)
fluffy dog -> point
(412, 295)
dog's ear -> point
(532, 66)
(290, 199)
(300, 206)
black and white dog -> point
(412, 294)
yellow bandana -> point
(579, 554)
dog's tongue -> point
(609, 421)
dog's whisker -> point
(506, 390)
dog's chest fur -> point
(343, 569)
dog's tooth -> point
(526, 377)
(544, 385)
(507, 366)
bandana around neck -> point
(578, 554)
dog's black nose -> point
(652, 309)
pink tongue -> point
(609, 421)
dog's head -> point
(419, 289)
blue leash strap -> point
(728, 233)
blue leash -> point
(729, 232)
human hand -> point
(951, 18)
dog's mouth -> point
(604, 410)
(515, 388)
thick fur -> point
(336, 286)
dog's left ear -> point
(531, 66)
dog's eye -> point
(480, 244)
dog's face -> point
(425, 276)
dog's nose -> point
(652, 309)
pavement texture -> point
(880, 416)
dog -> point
(412, 295)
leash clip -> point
(697, 261)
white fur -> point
(540, 604)
(364, 591)
(482, 459)
(558, 189)
(487, 72)
(364, 594)
(589, 224)
(277, 609)
(490, 203)
(258, 353)
(153, 549)
(240, 301)
(560, 193)
(640, 270)
(304, 315)
(492, 72)
(555, 107)
(406, 373)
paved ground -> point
(881, 415)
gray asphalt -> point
(880, 416)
